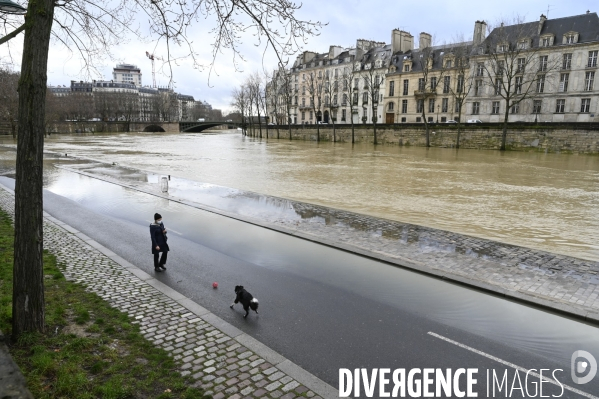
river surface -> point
(543, 201)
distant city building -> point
(127, 73)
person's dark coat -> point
(158, 238)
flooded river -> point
(544, 201)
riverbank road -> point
(322, 309)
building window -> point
(419, 106)
(536, 106)
(335, 99)
(406, 83)
(460, 86)
(355, 99)
(500, 68)
(458, 106)
(446, 83)
(430, 119)
(521, 65)
(480, 69)
(344, 103)
(541, 84)
(403, 119)
(478, 84)
(404, 106)
(545, 42)
(495, 107)
(563, 82)
(311, 115)
(420, 84)
(303, 102)
(567, 61)
(365, 98)
(343, 114)
(390, 106)
(498, 84)
(418, 119)
(560, 105)
(518, 86)
(303, 115)
(570, 39)
(365, 83)
(592, 59)
(444, 104)
(433, 83)
(406, 68)
(448, 64)
(391, 88)
(515, 109)
(475, 108)
(431, 105)
(543, 63)
(589, 77)
(585, 105)
(443, 119)
(356, 83)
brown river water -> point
(544, 201)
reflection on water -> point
(544, 201)
(515, 325)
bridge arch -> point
(153, 128)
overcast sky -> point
(347, 20)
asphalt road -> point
(312, 320)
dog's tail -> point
(254, 304)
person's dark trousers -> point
(162, 259)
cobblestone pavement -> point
(219, 363)
(559, 282)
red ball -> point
(215, 285)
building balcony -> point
(425, 93)
(305, 106)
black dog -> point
(246, 299)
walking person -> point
(158, 234)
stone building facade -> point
(532, 71)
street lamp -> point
(438, 113)
(9, 7)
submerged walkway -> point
(223, 360)
(557, 282)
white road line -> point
(512, 365)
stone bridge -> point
(191, 127)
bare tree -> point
(331, 97)
(240, 104)
(350, 93)
(373, 80)
(427, 83)
(512, 63)
(288, 93)
(457, 64)
(91, 28)
(316, 91)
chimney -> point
(424, 41)
(480, 33)
(401, 41)
(541, 22)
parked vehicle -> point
(474, 121)
(451, 121)
(202, 120)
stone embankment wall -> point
(555, 137)
(112, 127)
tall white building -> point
(127, 73)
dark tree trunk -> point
(28, 277)
(428, 140)
(457, 144)
(504, 133)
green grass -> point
(89, 350)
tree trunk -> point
(457, 144)
(504, 133)
(428, 140)
(28, 313)
(352, 125)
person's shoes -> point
(157, 269)
(163, 267)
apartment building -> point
(540, 71)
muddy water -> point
(544, 201)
